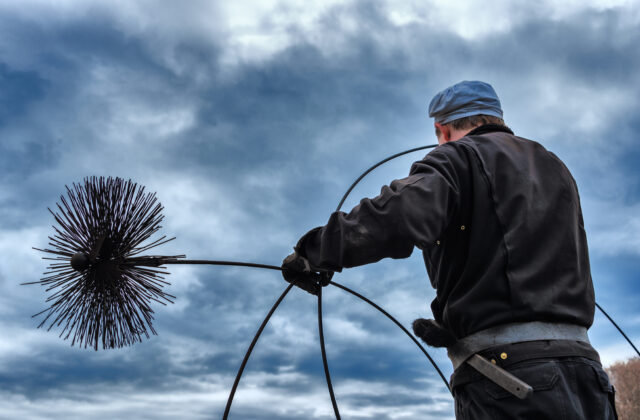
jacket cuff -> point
(309, 247)
(300, 247)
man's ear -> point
(445, 130)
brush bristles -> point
(110, 221)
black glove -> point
(297, 270)
(432, 333)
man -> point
(499, 223)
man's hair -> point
(472, 122)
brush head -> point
(101, 289)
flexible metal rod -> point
(250, 349)
(619, 329)
(395, 321)
(365, 173)
(236, 382)
(325, 363)
(213, 262)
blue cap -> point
(465, 99)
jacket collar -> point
(489, 128)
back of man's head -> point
(466, 105)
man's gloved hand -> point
(432, 333)
(297, 270)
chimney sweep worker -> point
(498, 220)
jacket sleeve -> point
(411, 211)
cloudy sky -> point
(250, 119)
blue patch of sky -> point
(618, 275)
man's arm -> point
(412, 211)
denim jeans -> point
(565, 388)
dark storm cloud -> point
(281, 108)
(82, 368)
(594, 47)
(284, 106)
(19, 89)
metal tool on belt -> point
(500, 377)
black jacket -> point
(499, 223)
